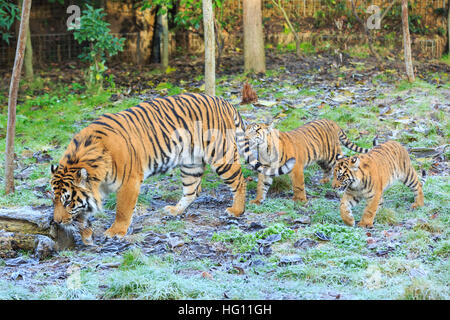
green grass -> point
(446, 58)
(414, 267)
(243, 241)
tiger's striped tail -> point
(423, 178)
(375, 141)
(350, 145)
(248, 154)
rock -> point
(44, 247)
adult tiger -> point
(317, 141)
(118, 151)
(366, 176)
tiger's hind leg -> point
(264, 183)
(231, 174)
(298, 182)
(412, 181)
(191, 177)
(327, 168)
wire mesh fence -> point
(307, 8)
(60, 47)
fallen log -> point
(31, 230)
(25, 220)
(12, 242)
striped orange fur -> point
(366, 176)
(317, 141)
(116, 152)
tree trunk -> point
(29, 73)
(407, 42)
(12, 102)
(291, 27)
(165, 40)
(28, 60)
(155, 55)
(210, 56)
(254, 56)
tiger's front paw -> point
(416, 205)
(115, 231)
(300, 199)
(365, 224)
(172, 210)
(348, 219)
(86, 236)
(233, 212)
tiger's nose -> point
(56, 220)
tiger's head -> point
(257, 133)
(73, 198)
(262, 141)
(345, 172)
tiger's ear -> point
(339, 156)
(53, 168)
(82, 177)
(354, 161)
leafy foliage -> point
(9, 12)
(189, 13)
(101, 43)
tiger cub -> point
(116, 152)
(366, 176)
(317, 141)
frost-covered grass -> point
(409, 251)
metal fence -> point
(307, 8)
(60, 47)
